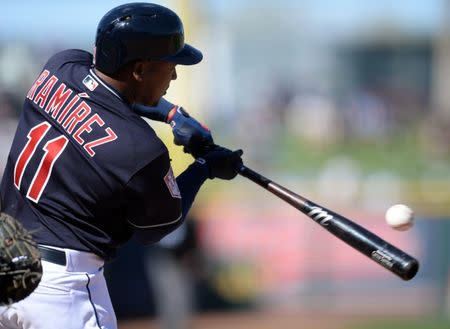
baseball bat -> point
(366, 242)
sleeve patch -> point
(172, 185)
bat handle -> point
(254, 176)
(280, 191)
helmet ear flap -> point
(110, 53)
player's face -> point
(155, 82)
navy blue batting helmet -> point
(141, 31)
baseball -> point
(400, 217)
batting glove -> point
(222, 163)
(194, 136)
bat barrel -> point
(366, 242)
(395, 260)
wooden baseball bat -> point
(371, 245)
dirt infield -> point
(250, 320)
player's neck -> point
(121, 86)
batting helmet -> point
(141, 30)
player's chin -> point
(154, 102)
(159, 99)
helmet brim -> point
(186, 56)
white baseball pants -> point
(74, 296)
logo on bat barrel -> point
(382, 258)
(320, 216)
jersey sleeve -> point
(154, 206)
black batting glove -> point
(222, 163)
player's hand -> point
(194, 136)
(222, 162)
(190, 133)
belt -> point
(53, 256)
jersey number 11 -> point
(53, 149)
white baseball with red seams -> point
(400, 217)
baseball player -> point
(85, 172)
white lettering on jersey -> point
(76, 116)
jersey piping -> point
(91, 71)
(157, 225)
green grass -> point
(400, 154)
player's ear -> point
(138, 70)
(142, 68)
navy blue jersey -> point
(84, 171)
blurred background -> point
(345, 102)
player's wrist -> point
(200, 169)
(152, 113)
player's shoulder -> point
(70, 56)
(137, 147)
(146, 143)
